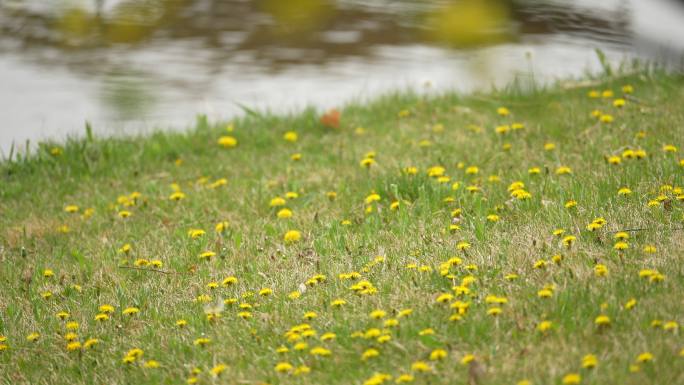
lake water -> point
(132, 66)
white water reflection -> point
(172, 74)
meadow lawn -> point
(509, 237)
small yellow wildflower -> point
(90, 342)
(131, 311)
(369, 353)
(544, 326)
(572, 379)
(644, 357)
(563, 170)
(421, 367)
(292, 236)
(73, 346)
(290, 136)
(227, 141)
(283, 367)
(284, 213)
(320, 351)
(218, 369)
(669, 148)
(602, 321)
(151, 364)
(206, 255)
(265, 292)
(438, 354)
(377, 314)
(176, 196)
(467, 359)
(589, 361)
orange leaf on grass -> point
(331, 118)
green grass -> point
(95, 172)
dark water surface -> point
(136, 65)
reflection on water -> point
(131, 65)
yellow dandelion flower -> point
(377, 314)
(544, 326)
(73, 346)
(404, 378)
(73, 325)
(201, 341)
(494, 311)
(421, 367)
(614, 160)
(467, 359)
(569, 240)
(196, 233)
(90, 342)
(265, 292)
(644, 357)
(671, 326)
(290, 136)
(438, 354)
(207, 255)
(283, 367)
(284, 213)
(601, 270)
(218, 369)
(131, 311)
(572, 379)
(320, 351)
(292, 236)
(227, 141)
(602, 320)
(151, 364)
(302, 369)
(493, 218)
(328, 336)
(367, 162)
(589, 361)
(606, 118)
(369, 353)
(277, 201)
(563, 170)
(176, 196)
(669, 148)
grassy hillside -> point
(493, 238)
